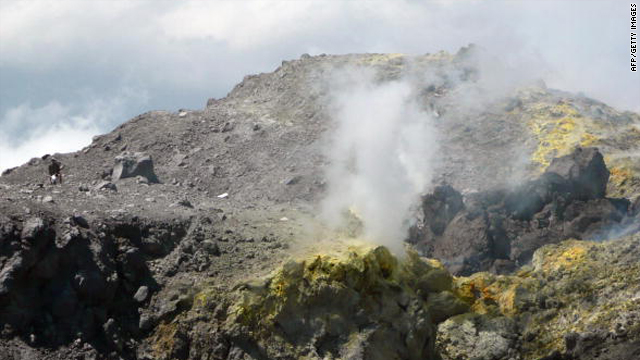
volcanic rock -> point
(349, 301)
(520, 316)
(106, 185)
(440, 207)
(130, 164)
(142, 294)
(566, 201)
(583, 171)
(473, 336)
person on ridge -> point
(55, 171)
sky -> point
(70, 70)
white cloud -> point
(189, 51)
(57, 127)
(192, 43)
(67, 133)
(42, 34)
(61, 138)
(246, 24)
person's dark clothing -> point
(54, 168)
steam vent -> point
(357, 207)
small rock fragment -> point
(106, 185)
(293, 180)
(80, 221)
(142, 294)
(185, 203)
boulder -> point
(130, 164)
(465, 245)
(142, 294)
(584, 171)
(80, 220)
(441, 206)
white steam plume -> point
(380, 155)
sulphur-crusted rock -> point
(353, 308)
(473, 336)
(361, 303)
(578, 300)
(445, 304)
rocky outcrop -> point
(474, 336)
(500, 229)
(129, 164)
(66, 279)
(357, 304)
(579, 300)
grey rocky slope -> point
(101, 265)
